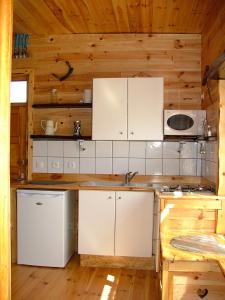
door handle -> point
(39, 203)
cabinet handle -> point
(119, 198)
(121, 132)
(132, 133)
(39, 203)
(110, 197)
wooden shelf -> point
(58, 137)
(63, 105)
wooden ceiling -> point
(113, 16)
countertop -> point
(70, 185)
(79, 186)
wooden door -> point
(134, 224)
(18, 141)
(109, 109)
(145, 108)
(96, 222)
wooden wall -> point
(213, 45)
(176, 57)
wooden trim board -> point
(140, 263)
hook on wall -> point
(68, 73)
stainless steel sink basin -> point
(115, 184)
(50, 182)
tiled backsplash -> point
(210, 160)
(119, 157)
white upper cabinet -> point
(145, 108)
(127, 108)
(109, 109)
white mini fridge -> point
(45, 227)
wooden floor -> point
(75, 282)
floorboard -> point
(84, 283)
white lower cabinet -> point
(115, 223)
(96, 222)
(134, 224)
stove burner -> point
(186, 188)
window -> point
(18, 91)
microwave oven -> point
(184, 122)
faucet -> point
(77, 129)
(129, 176)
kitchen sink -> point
(115, 184)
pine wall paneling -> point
(176, 57)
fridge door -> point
(40, 228)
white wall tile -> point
(207, 151)
(137, 149)
(40, 148)
(103, 149)
(201, 148)
(170, 150)
(213, 151)
(188, 167)
(55, 148)
(103, 165)
(207, 168)
(189, 150)
(213, 171)
(120, 165)
(87, 165)
(71, 165)
(89, 149)
(137, 165)
(154, 150)
(170, 166)
(71, 149)
(55, 165)
(203, 173)
(154, 166)
(199, 167)
(40, 165)
(120, 149)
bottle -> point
(77, 129)
(209, 131)
(54, 96)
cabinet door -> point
(134, 223)
(145, 108)
(96, 222)
(109, 109)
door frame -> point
(30, 95)
(6, 30)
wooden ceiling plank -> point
(38, 16)
(94, 17)
(68, 15)
(146, 12)
(121, 15)
(159, 18)
(133, 9)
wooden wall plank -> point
(6, 10)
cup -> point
(87, 96)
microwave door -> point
(180, 124)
